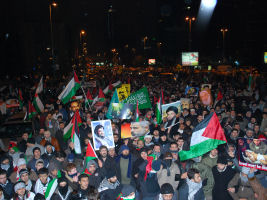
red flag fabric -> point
(219, 96)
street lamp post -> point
(223, 30)
(189, 20)
(54, 4)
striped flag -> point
(89, 98)
(68, 129)
(51, 189)
(90, 153)
(40, 86)
(20, 99)
(31, 111)
(75, 133)
(38, 105)
(207, 135)
(137, 113)
(158, 111)
(70, 90)
(101, 96)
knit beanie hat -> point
(110, 173)
(123, 147)
(21, 161)
(19, 185)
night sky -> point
(25, 31)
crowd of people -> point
(146, 168)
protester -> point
(148, 164)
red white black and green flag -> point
(206, 136)
(70, 90)
(89, 98)
(137, 113)
(31, 112)
(68, 129)
(20, 99)
(90, 153)
(75, 133)
(101, 96)
(38, 105)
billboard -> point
(189, 58)
(152, 61)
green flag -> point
(141, 96)
(114, 99)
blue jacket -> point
(8, 189)
(184, 190)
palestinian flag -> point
(101, 96)
(90, 153)
(68, 129)
(20, 99)
(52, 186)
(158, 111)
(89, 98)
(40, 86)
(87, 172)
(206, 136)
(31, 111)
(219, 96)
(137, 113)
(38, 105)
(70, 90)
(75, 133)
(110, 88)
(59, 175)
(13, 145)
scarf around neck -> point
(129, 170)
(193, 188)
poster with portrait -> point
(205, 86)
(139, 129)
(122, 110)
(185, 102)
(176, 104)
(191, 91)
(102, 134)
(205, 97)
(252, 153)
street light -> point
(223, 30)
(54, 4)
(189, 20)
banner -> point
(176, 104)
(185, 103)
(205, 97)
(128, 88)
(252, 153)
(102, 134)
(91, 84)
(122, 110)
(122, 93)
(191, 91)
(141, 96)
(126, 131)
(139, 129)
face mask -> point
(63, 190)
(243, 178)
(73, 175)
(5, 167)
(168, 162)
(157, 154)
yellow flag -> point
(122, 93)
(128, 88)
